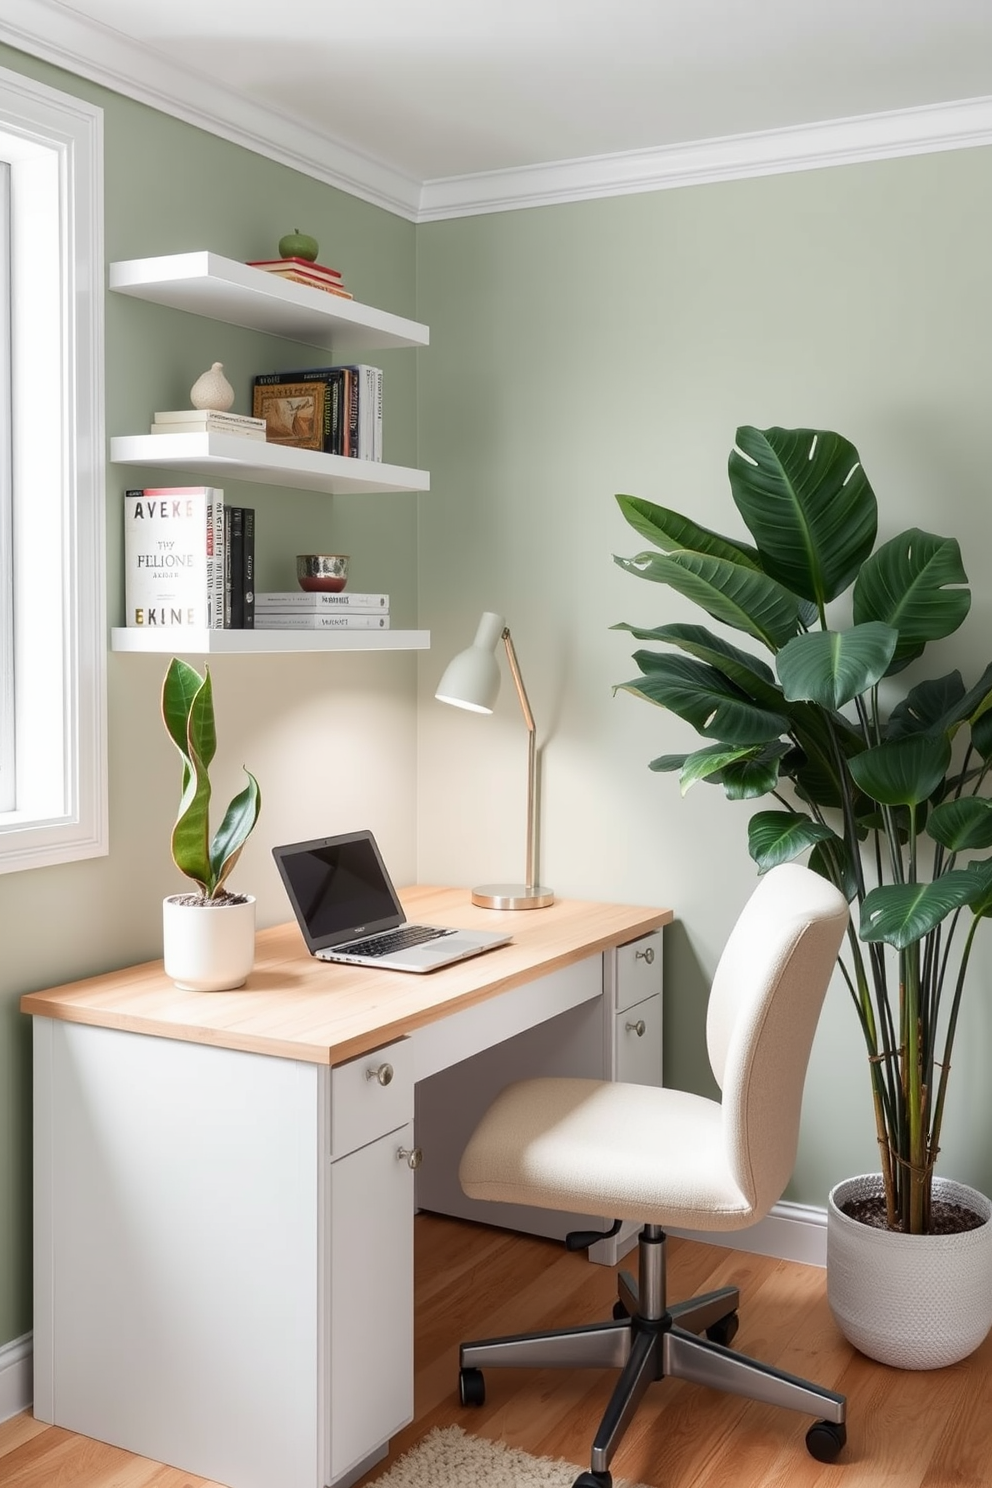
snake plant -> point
(878, 773)
(188, 713)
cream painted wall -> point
(615, 346)
(331, 738)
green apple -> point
(298, 245)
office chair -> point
(669, 1158)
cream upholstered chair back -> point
(763, 1009)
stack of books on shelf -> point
(208, 421)
(296, 610)
(189, 559)
(334, 409)
(302, 271)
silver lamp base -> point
(512, 896)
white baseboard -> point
(15, 1376)
(791, 1232)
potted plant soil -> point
(208, 932)
(886, 789)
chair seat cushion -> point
(596, 1147)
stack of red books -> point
(302, 271)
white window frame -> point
(53, 144)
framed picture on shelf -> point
(293, 413)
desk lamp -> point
(471, 680)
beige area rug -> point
(448, 1458)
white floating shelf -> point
(271, 464)
(183, 642)
(206, 284)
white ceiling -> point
(428, 90)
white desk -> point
(223, 1210)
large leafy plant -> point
(188, 712)
(883, 786)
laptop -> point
(349, 911)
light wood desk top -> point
(296, 1007)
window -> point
(53, 772)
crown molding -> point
(49, 31)
(917, 131)
(46, 29)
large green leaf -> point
(669, 530)
(201, 731)
(234, 830)
(926, 706)
(906, 584)
(975, 703)
(962, 824)
(980, 902)
(981, 736)
(179, 688)
(901, 914)
(733, 594)
(775, 837)
(808, 505)
(190, 841)
(902, 772)
(668, 763)
(830, 667)
(754, 774)
(750, 673)
(709, 763)
(703, 697)
(745, 771)
(187, 708)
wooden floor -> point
(905, 1429)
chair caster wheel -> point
(620, 1312)
(724, 1331)
(471, 1387)
(593, 1480)
(825, 1440)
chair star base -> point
(647, 1340)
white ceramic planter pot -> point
(913, 1301)
(208, 947)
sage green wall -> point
(615, 346)
(331, 738)
(576, 351)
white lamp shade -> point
(471, 679)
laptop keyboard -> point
(395, 940)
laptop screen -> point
(339, 888)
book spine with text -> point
(248, 568)
(301, 620)
(300, 599)
(215, 563)
(236, 601)
(207, 416)
(227, 567)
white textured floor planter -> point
(913, 1301)
(208, 948)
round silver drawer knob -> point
(412, 1156)
(638, 1027)
(647, 955)
(383, 1073)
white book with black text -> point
(173, 560)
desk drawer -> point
(637, 970)
(370, 1095)
(638, 1042)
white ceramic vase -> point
(208, 947)
(913, 1301)
(212, 389)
